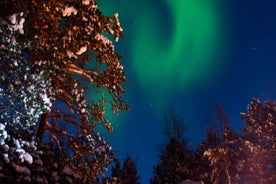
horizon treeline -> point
(224, 156)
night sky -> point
(190, 55)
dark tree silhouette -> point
(128, 173)
(173, 125)
(220, 121)
(176, 160)
(174, 165)
(123, 175)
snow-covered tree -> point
(51, 52)
(203, 169)
(259, 136)
(250, 156)
(225, 158)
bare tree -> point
(173, 125)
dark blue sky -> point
(245, 63)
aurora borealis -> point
(189, 54)
(179, 42)
(176, 45)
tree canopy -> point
(51, 53)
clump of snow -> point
(71, 54)
(20, 151)
(100, 150)
(89, 138)
(3, 134)
(24, 156)
(82, 50)
(85, 2)
(46, 99)
(16, 143)
(100, 37)
(94, 6)
(104, 40)
(69, 10)
(28, 158)
(83, 110)
(117, 24)
(12, 18)
(6, 157)
(17, 24)
(207, 153)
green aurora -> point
(171, 51)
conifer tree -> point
(176, 158)
(174, 165)
(128, 173)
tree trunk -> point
(228, 175)
(42, 125)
